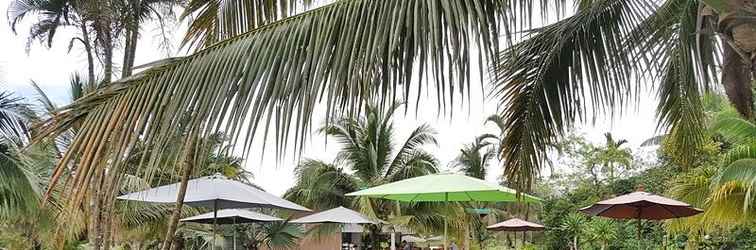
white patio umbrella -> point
(214, 192)
(231, 216)
(339, 215)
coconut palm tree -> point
(721, 187)
(474, 158)
(611, 156)
(369, 157)
(53, 15)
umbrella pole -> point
(446, 200)
(215, 221)
(234, 233)
(640, 210)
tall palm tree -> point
(474, 158)
(611, 156)
(53, 15)
(368, 157)
(135, 14)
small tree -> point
(575, 226)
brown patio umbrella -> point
(641, 205)
(515, 225)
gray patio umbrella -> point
(214, 192)
(231, 216)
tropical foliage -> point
(370, 155)
(263, 69)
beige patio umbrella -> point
(515, 225)
(641, 205)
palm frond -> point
(43, 99)
(320, 185)
(280, 235)
(747, 151)
(410, 150)
(18, 195)
(681, 108)
(212, 21)
(735, 129)
(742, 173)
(271, 78)
(14, 116)
(52, 14)
(415, 163)
(543, 81)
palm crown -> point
(368, 157)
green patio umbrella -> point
(444, 188)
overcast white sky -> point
(51, 69)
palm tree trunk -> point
(126, 71)
(132, 37)
(739, 69)
(188, 165)
(88, 50)
(108, 62)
